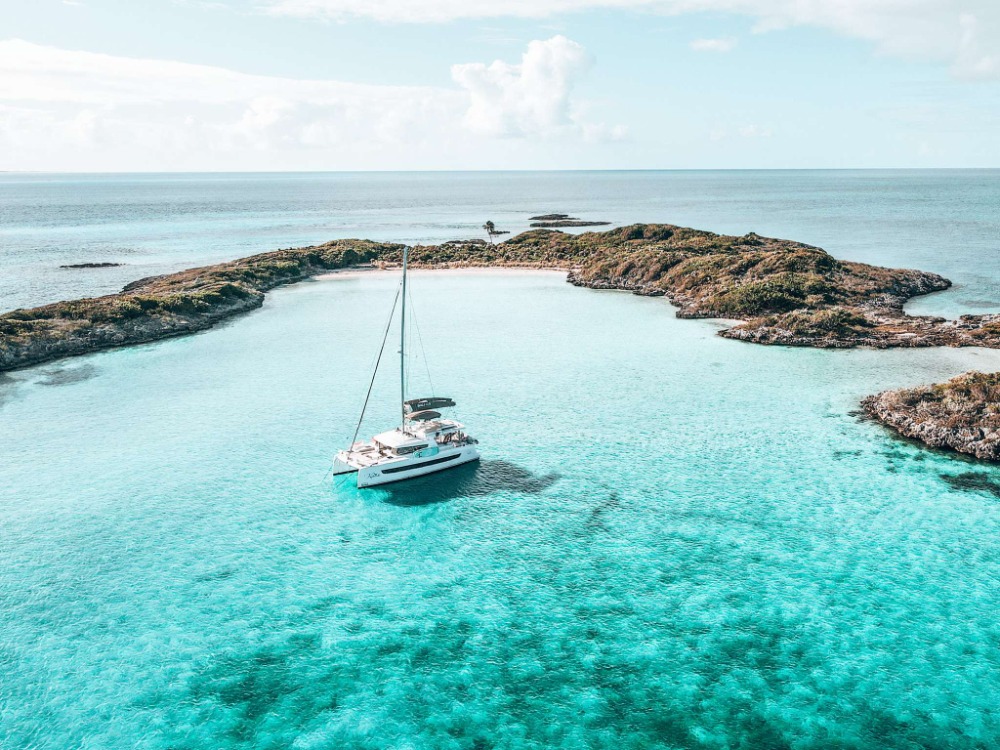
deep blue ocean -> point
(672, 541)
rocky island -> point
(553, 221)
(785, 292)
(102, 264)
(962, 414)
(170, 305)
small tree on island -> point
(491, 229)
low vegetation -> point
(785, 292)
(161, 306)
(962, 414)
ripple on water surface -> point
(673, 540)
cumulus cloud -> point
(532, 97)
(713, 45)
(68, 109)
(962, 33)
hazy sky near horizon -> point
(137, 85)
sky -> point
(289, 85)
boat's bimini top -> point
(431, 402)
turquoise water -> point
(672, 541)
(946, 221)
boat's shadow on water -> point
(472, 480)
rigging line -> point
(385, 337)
(420, 343)
(374, 360)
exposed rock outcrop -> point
(555, 221)
(104, 264)
(962, 414)
(560, 223)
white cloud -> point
(972, 59)
(962, 33)
(713, 45)
(425, 11)
(62, 109)
(532, 97)
(33, 72)
(90, 110)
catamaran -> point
(424, 442)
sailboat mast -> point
(402, 346)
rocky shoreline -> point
(784, 292)
(161, 307)
(875, 328)
(962, 414)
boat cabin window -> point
(405, 450)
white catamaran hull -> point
(397, 471)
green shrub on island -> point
(987, 331)
(971, 393)
(838, 320)
(758, 297)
